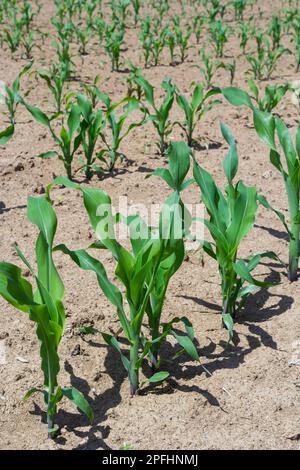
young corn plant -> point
(136, 4)
(182, 40)
(246, 31)
(12, 39)
(68, 139)
(134, 90)
(194, 110)
(267, 127)
(158, 43)
(230, 218)
(145, 272)
(273, 94)
(239, 9)
(171, 43)
(91, 126)
(116, 125)
(209, 68)
(198, 22)
(263, 65)
(55, 79)
(113, 43)
(219, 33)
(10, 97)
(65, 62)
(160, 115)
(44, 307)
(296, 40)
(275, 31)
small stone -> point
(76, 351)
(19, 167)
(267, 174)
(39, 189)
(22, 359)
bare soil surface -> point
(251, 398)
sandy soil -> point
(251, 400)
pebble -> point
(22, 359)
(19, 167)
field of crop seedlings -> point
(184, 333)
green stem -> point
(133, 371)
(294, 253)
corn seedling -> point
(83, 35)
(194, 110)
(239, 9)
(182, 40)
(65, 62)
(145, 272)
(209, 68)
(263, 65)
(116, 125)
(10, 97)
(246, 31)
(231, 217)
(44, 307)
(157, 45)
(160, 114)
(272, 96)
(267, 126)
(134, 90)
(219, 33)
(12, 39)
(90, 128)
(55, 79)
(68, 139)
(136, 4)
(198, 22)
(275, 31)
(113, 42)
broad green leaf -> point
(78, 399)
(159, 377)
(230, 163)
(237, 97)
(7, 134)
(179, 162)
(264, 124)
(187, 344)
(41, 213)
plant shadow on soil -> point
(4, 209)
(230, 357)
(255, 313)
(94, 438)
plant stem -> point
(294, 253)
(133, 371)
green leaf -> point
(7, 134)
(49, 154)
(41, 213)
(228, 321)
(230, 163)
(264, 124)
(31, 392)
(237, 97)
(38, 115)
(159, 377)
(179, 162)
(78, 399)
(187, 344)
(242, 270)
